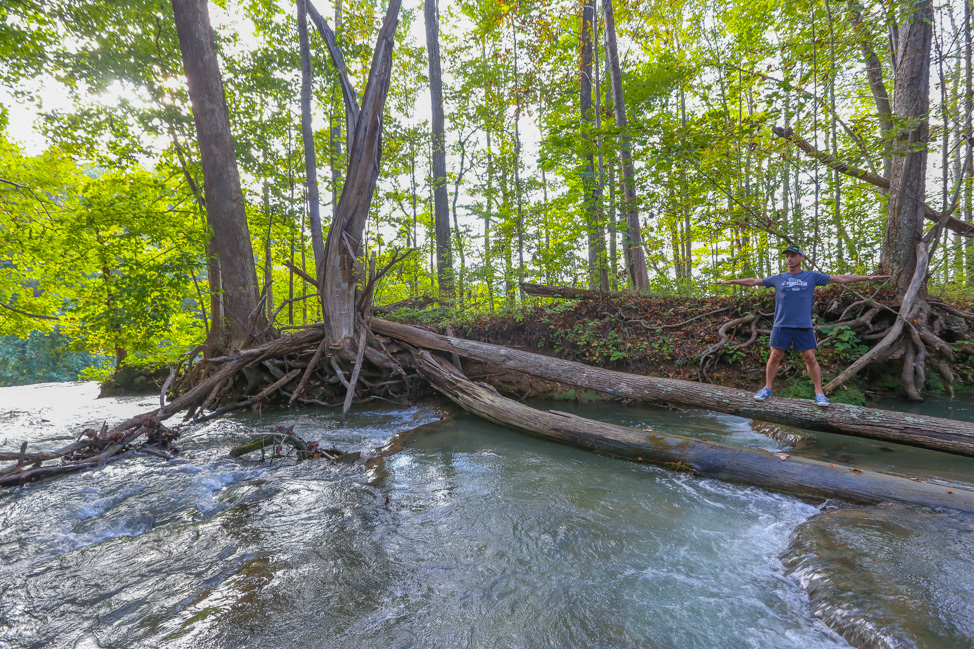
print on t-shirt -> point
(794, 295)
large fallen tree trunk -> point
(934, 433)
(776, 471)
(572, 293)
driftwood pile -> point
(91, 449)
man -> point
(792, 328)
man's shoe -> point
(763, 394)
(820, 400)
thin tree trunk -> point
(687, 270)
(441, 208)
(414, 192)
(307, 136)
(518, 193)
(637, 259)
(488, 257)
(968, 109)
(598, 275)
(268, 266)
(335, 131)
(874, 73)
(462, 277)
(608, 211)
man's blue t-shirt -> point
(793, 297)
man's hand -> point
(873, 278)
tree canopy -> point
(104, 232)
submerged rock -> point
(889, 577)
(790, 438)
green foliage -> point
(846, 343)
(43, 357)
(110, 258)
(590, 341)
(103, 230)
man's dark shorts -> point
(785, 337)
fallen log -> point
(416, 303)
(571, 293)
(775, 471)
(934, 433)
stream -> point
(466, 535)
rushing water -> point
(468, 536)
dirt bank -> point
(667, 336)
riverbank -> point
(666, 336)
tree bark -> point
(911, 104)
(637, 259)
(926, 432)
(341, 270)
(874, 73)
(441, 209)
(597, 268)
(776, 471)
(308, 138)
(221, 180)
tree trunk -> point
(637, 259)
(441, 210)
(911, 104)
(335, 132)
(597, 269)
(341, 270)
(874, 73)
(221, 181)
(307, 136)
(777, 471)
(926, 432)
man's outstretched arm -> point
(849, 279)
(747, 281)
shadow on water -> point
(467, 535)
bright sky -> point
(23, 118)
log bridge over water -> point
(780, 472)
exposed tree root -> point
(710, 356)
(913, 338)
(283, 370)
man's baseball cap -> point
(795, 249)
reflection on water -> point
(475, 537)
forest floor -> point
(666, 337)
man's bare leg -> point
(771, 370)
(814, 370)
